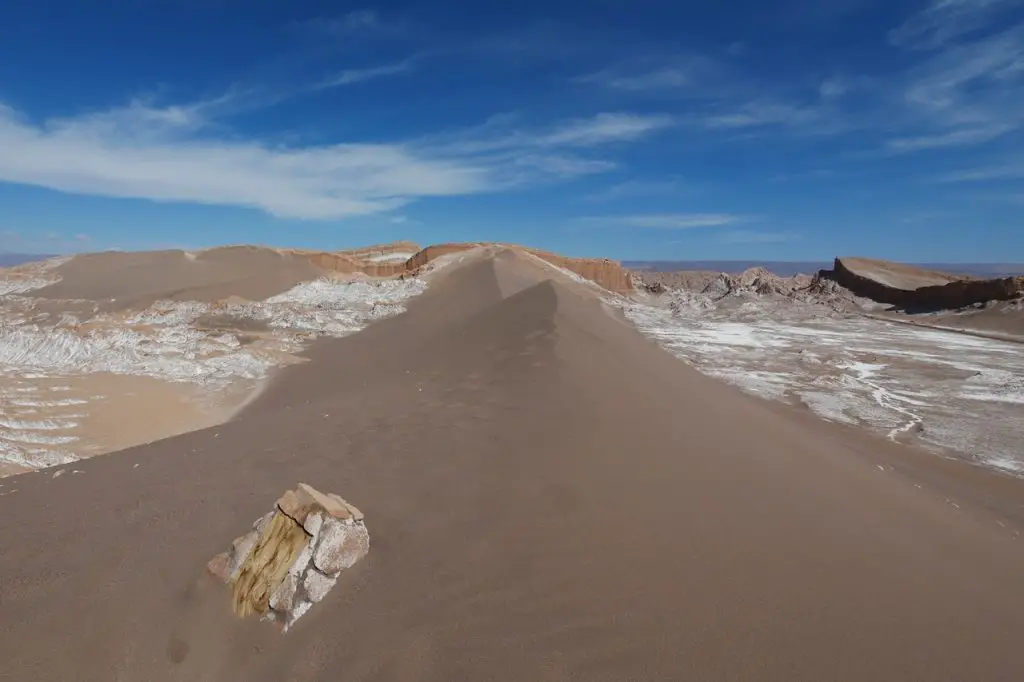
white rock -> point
(313, 523)
(340, 546)
(261, 523)
(317, 585)
(283, 598)
(301, 561)
(298, 612)
(240, 550)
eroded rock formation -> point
(293, 555)
(606, 273)
(916, 289)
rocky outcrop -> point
(606, 273)
(346, 264)
(293, 555)
(378, 251)
(916, 289)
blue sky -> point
(791, 130)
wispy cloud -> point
(661, 79)
(833, 87)
(763, 113)
(170, 154)
(665, 221)
(352, 76)
(690, 71)
(501, 132)
(961, 137)
(943, 21)
(606, 128)
(986, 174)
(521, 155)
(966, 94)
(633, 189)
(358, 21)
(971, 81)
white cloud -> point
(943, 21)
(564, 151)
(965, 94)
(763, 113)
(632, 189)
(985, 174)
(157, 160)
(960, 137)
(690, 71)
(972, 82)
(603, 129)
(837, 86)
(564, 166)
(351, 76)
(168, 154)
(354, 22)
(500, 134)
(661, 79)
(668, 221)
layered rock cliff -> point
(606, 273)
(914, 288)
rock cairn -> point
(292, 556)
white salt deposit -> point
(948, 391)
(396, 257)
(167, 342)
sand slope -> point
(550, 497)
(134, 280)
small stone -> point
(317, 585)
(312, 524)
(340, 546)
(218, 567)
(283, 598)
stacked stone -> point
(293, 555)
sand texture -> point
(553, 497)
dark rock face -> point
(915, 289)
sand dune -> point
(551, 497)
(123, 281)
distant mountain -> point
(10, 259)
(790, 268)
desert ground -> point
(551, 493)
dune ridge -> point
(551, 497)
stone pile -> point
(293, 555)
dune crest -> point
(552, 496)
